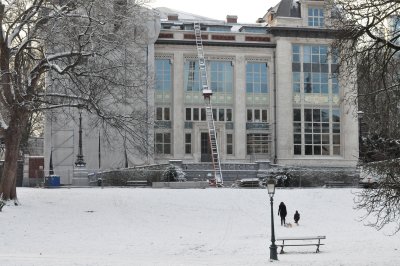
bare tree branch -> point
(88, 54)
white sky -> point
(247, 11)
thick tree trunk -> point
(12, 140)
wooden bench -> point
(137, 183)
(295, 242)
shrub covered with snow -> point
(173, 174)
(121, 177)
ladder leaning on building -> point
(207, 92)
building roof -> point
(184, 16)
(180, 18)
(287, 8)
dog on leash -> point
(288, 225)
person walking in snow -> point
(296, 217)
(282, 212)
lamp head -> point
(271, 187)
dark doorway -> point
(205, 147)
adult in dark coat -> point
(282, 212)
(296, 217)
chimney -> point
(231, 19)
(173, 17)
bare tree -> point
(368, 37)
(71, 54)
(368, 41)
(382, 203)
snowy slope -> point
(133, 226)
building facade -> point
(276, 94)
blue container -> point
(52, 181)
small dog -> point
(288, 225)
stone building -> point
(276, 96)
(275, 92)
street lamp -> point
(80, 162)
(273, 255)
(360, 115)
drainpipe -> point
(275, 140)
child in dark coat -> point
(297, 217)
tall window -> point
(296, 53)
(316, 17)
(163, 143)
(316, 54)
(256, 78)
(335, 84)
(310, 70)
(188, 143)
(163, 113)
(163, 75)
(221, 76)
(188, 114)
(229, 144)
(229, 115)
(315, 82)
(219, 114)
(192, 76)
(296, 81)
(196, 114)
(336, 131)
(297, 141)
(257, 115)
(257, 143)
(317, 131)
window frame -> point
(316, 16)
(161, 144)
(163, 75)
(257, 77)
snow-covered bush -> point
(121, 177)
(173, 174)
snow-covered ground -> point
(134, 226)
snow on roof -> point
(182, 15)
(185, 17)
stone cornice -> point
(322, 33)
(216, 43)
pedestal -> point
(80, 177)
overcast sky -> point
(247, 11)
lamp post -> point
(273, 255)
(80, 162)
(360, 115)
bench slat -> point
(293, 245)
(301, 238)
(306, 238)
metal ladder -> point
(207, 92)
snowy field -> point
(135, 226)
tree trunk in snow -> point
(13, 136)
